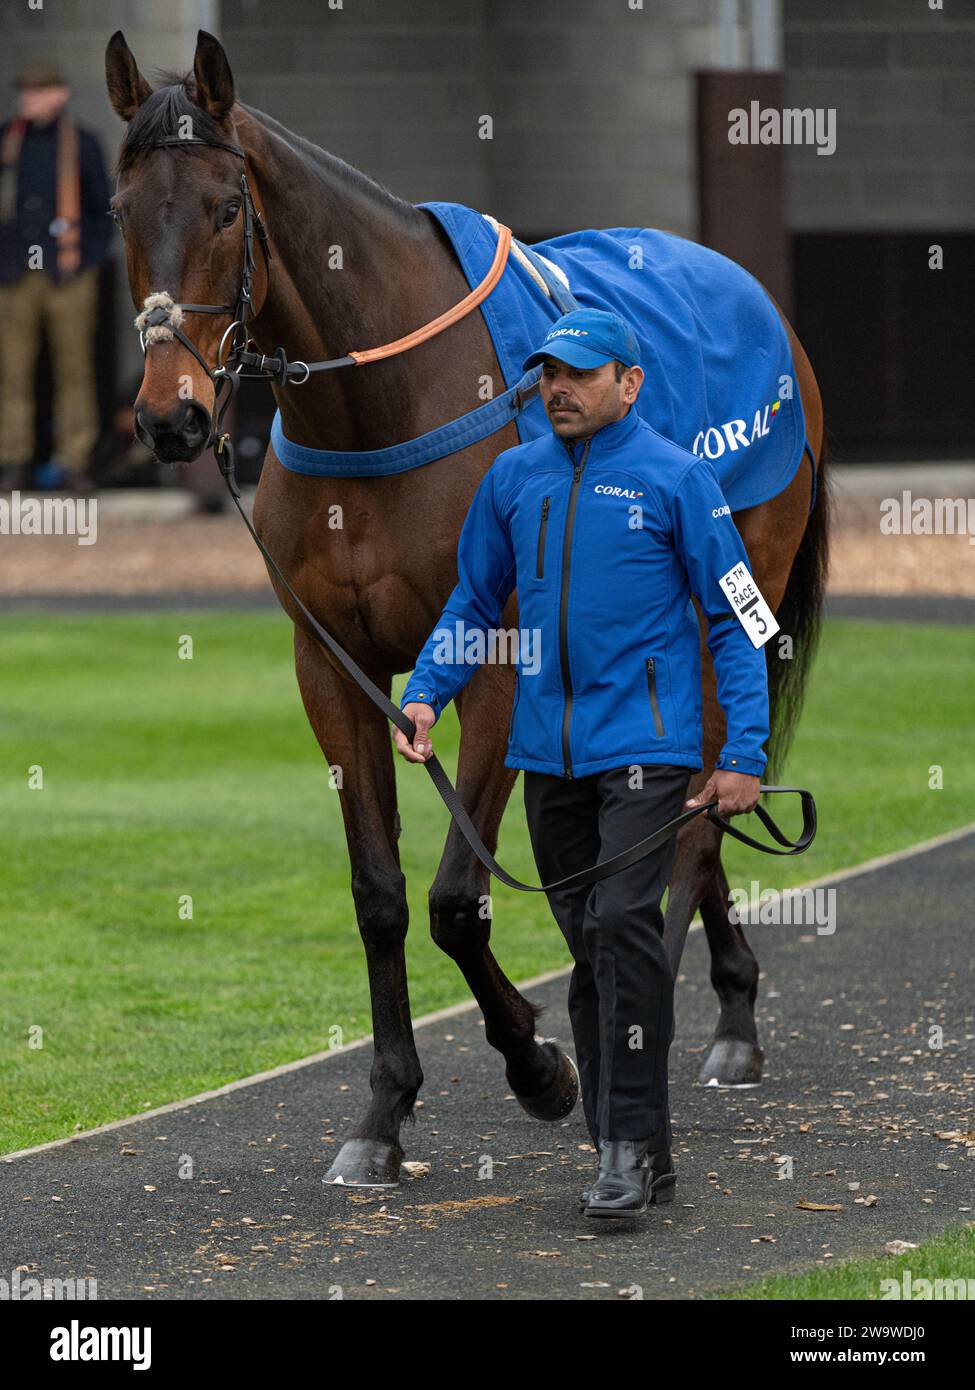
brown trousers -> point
(66, 312)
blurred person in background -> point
(54, 233)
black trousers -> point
(621, 994)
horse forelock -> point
(161, 117)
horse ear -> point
(214, 80)
(127, 88)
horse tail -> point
(800, 617)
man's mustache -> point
(562, 405)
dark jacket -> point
(37, 203)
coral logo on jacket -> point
(733, 434)
(615, 491)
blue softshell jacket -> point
(605, 541)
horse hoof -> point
(561, 1093)
(732, 1062)
(365, 1163)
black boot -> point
(630, 1177)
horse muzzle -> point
(176, 436)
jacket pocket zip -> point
(542, 528)
(514, 707)
(658, 722)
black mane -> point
(324, 163)
(158, 118)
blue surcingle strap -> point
(447, 439)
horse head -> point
(180, 205)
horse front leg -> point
(354, 737)
(541, 1074)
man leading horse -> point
(606, 528)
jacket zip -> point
(564, 601)
(658, 722)
(542, 528)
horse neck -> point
(351, 268)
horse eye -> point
(116, 217)
(230, 215)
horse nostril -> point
(177, 435)
(150, 427)
(197, 419)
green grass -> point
(165, 777)
(951, 1255)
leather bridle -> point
(231, 363)
(230, 366)
(229, 360)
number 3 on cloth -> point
(750, 608)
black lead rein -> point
(280, 369)
(443, 784)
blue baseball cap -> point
(588, 338)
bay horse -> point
(380, 581)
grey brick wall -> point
(592, 101)
(74, 33)
(900, 76)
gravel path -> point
(874, 1121)
(148, 543)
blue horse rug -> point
(719, 373)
